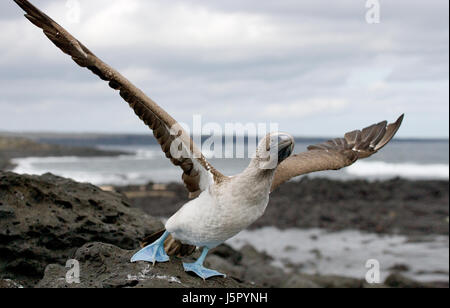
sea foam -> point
(147, 166)
(382, 169)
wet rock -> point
(300, 282)
(337, 282)
(228, 253)
(248, 265)
(400, 268)
(251, 255)
(397, 280)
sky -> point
(314, 68)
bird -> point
(220, 206)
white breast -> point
(216, 216)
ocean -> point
(411, 159)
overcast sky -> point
(316, 68)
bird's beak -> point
(285, 147)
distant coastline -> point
(20, 147)
(94, 139)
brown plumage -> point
(337, 153)
(146, 109)
(171, 246)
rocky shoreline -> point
(46, 220)
(384, 207)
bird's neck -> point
(252, 187)
(255, 174)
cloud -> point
(301, 109)
(260, 61)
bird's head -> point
(274, 149)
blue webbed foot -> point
(153, 253)
(201, 271)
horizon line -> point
(117, 134)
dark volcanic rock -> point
(395, 206)
(45, 219)
(397, 280)
(247, 265)
(337, 282)
(107, 266)
(9, 284)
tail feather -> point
(172, 246)
(152, 238)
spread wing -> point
(197, 172)
(338, 153)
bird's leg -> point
(154, 252)
(199, 269)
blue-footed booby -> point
(221, 206)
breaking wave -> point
(147, 166)
(380, 169)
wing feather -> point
(147, 110)
(337, 153)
